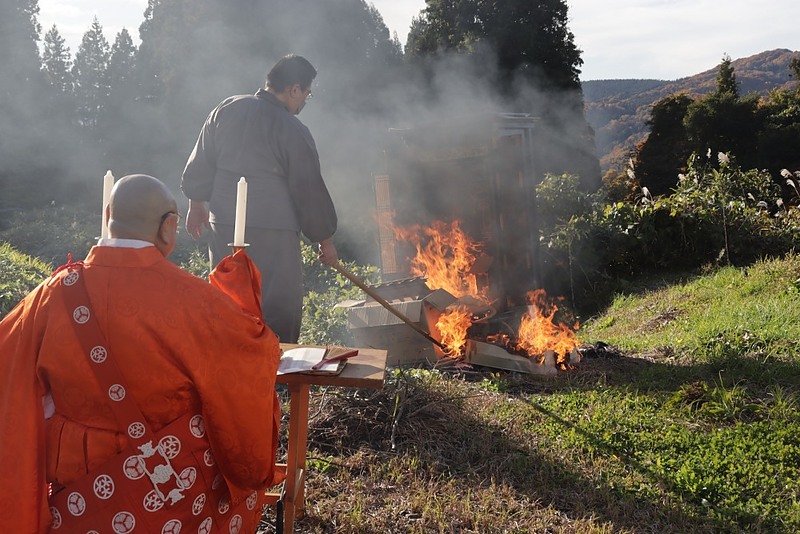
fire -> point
(538, 332)
(445, 255)
(453, 325)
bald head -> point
(140, 208)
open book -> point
(305, 359)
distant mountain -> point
(618, 109)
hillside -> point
(618, 110)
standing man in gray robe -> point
(259, 137)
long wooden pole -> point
(380, 300)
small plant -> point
(728, 403)
(781, 404)
(495, 382)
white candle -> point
(108, 184)
(241, 213)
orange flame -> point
(539, 333)
(453, 325)
(445, 259)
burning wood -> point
(446, 257)
(452, 326)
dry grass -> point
(429, 454)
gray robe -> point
(255, 137)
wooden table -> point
(366, 370)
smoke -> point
(364, 88)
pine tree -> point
(726, 78)
(120, 126)
(90, 71)
(22, 90)
(121, 67)
(57, 61)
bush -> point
(323, 322)
(19, 274)
(52, 232)
(721, 215)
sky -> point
(660, 39)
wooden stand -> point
(366, 370)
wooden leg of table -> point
(296, 455)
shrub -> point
(324, 322)
(717, 214)
(19, 274)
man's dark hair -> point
(290, 70)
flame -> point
(538, 332)
(453, 325)
(445, 255)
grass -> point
(684, 419)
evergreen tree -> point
(57, 61)
(663, 154)
(24, 121)
(723, 122)
(122, 61)
(525, 55)
(120, 129)
(60, 103)
(726, 78)
(530, 39)
(91, 74)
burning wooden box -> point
(372, 325)
(458, 243)
(479, 171)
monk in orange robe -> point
(184, 347)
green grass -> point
(731, 311)
(687, 422)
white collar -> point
(123, 243)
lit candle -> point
(108, 183)
(241, 213)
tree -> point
(57, 62)
(118, 126)
(679, 126)
(90, 71)
(22, 91)
(661, 156)
(530, 40)
(524, 55)
(721, 122)
(726, 78)
(121, 62)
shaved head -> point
(139, 208)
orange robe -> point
(183, 346)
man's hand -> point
(197, 218)
(327, 252)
